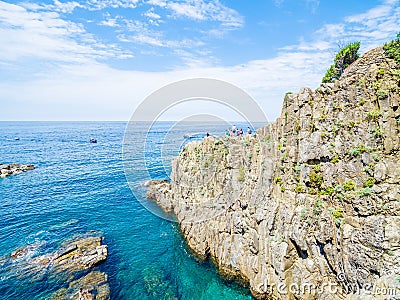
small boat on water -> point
(194, 135)
(92, 140)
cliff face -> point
(312, 202)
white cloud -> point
(142, 34)
(331, 32)
(109, 21)
(152, 17)
(98, 91)
(143, 39)
(160, 3)
(69, 6)
(57, 6)
(44, 35)
(151, 14)
(203, 10)
(65, 7)
(93, 89)
(373, 14)
(372, 28)
(102, 4)
(313, 4)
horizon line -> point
(127, 121)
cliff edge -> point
(309, 208)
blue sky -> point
(97, 60)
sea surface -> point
(80, 187)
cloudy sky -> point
(98, 59)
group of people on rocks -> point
(234, 131)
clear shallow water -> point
(79, 187)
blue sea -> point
(80, 187)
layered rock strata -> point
(75, 260)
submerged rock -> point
(157, 284)
(73, 256)
(13, 169)
(92, 286)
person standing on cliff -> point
(234, 129)
(248, 130)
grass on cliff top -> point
(349, 54)
(392, 48)
(344, 58)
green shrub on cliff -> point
(373, 115)
(392, 48)
(365, 192)
(299, 189)
(316, 180)
(241, 174)
(349, 185)
(344, 58)
(330, 75)
(369, 182)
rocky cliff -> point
(309, 207)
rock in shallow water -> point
(13, 169)
(75, 257)
(92, 286)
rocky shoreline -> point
(13, 169)
(310, 209)
(74, 262)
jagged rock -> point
(74, 256)
(79, 255)
(13, 169)
(157, 191)
(312, 201)
(154, 182)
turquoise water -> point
(79, 187)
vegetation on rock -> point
(319, 186)
(344, 58)
(392, 48)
